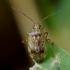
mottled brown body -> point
(36, 43)
(36, 40)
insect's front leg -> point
(25, 41)
(46, 34)
(48, 40)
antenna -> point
(49, 16)
(23, 14)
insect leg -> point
(25, 41)
(48, 40)
(46, 34)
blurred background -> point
(14, 26)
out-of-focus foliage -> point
(58, 24)
(57, 21)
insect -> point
(36, 40)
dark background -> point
(12, 53)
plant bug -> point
(36, 40)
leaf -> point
(56, 59)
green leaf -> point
(56, 59)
